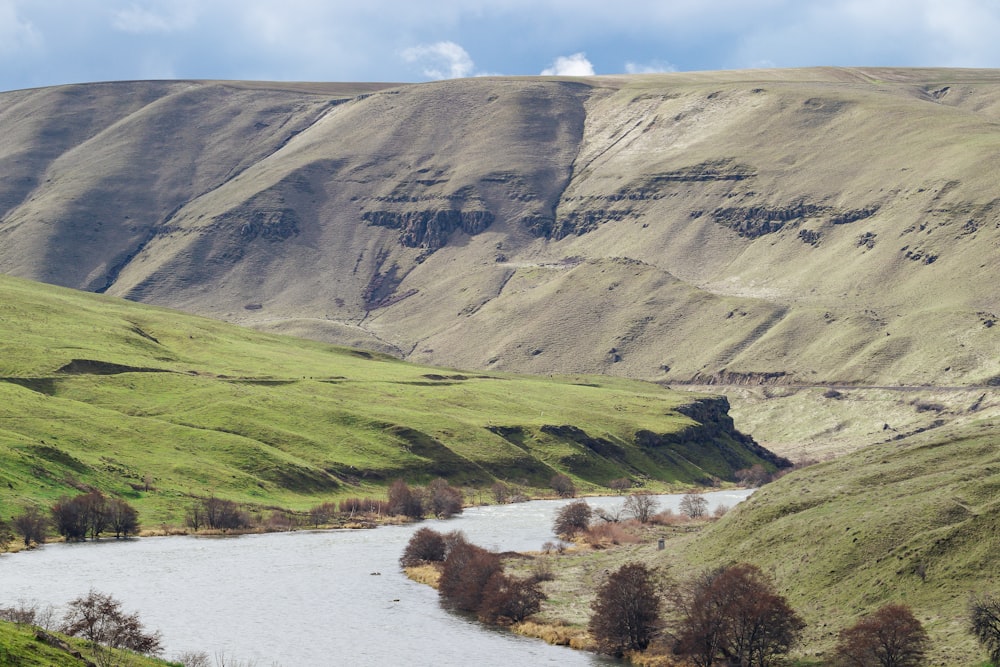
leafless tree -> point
(693, 506)
(509, 599)
(405, 501)
(123, 520)
(626, 611)
(984, 622)
(620, 484)
(889, 637)
(563, 485)
(572, 518)
(444, 500)
(99, 619)
(425, 546)
(734, 616)
(501, 492)
(642, 505)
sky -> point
(51, 42)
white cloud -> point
(142, 20)
(655, 67)
(441, 60)
(15, 32)
(574, 65)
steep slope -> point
(100, 392)
(798, 226)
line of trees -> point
(94, 513)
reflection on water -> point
(311, 598)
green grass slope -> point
(915, 521)
(103, 392)
(19, 646)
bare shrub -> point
(734, 615)
(563, 486)
(626, 610)
(99, 619)
(425, 545)
(720, 511)
(984, 623)
(668, 518)
(509, 600)
(444, 500)
(322, 514)
(604, 534)
(405, 501)
(754, 476)
(541, 570)
(889, 637)
(693, 506)
(354, 506)
(621, 484)
(501, 493)
(572, 518)
(466, 571)
(194, 659)
(641, 505)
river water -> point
(303, 599)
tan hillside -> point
(799, 226)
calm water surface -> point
(303, 599)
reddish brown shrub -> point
(889, 637)
(734, 616)
(509, 600)
(426, 545)
(572, 518)
(467, 568)
(626, 610)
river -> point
(303, 599)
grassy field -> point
(96, 391)
(915, 522)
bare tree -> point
(31, 525)
(734, 616)
(563, 485)
(509, 599)
(642, 505)
(626, 611)
(425, 546)
(620, 484)
(984, 622)
(99, 619)
(572, 518)
(501, 493)
(405, 501)
(693, 506)
(444, 500)
(889, 637)
(123, 520)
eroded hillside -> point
(800, 226)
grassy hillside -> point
(913, 521)
(804, 226)
(19, 646)
(103, 392)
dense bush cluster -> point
(472, 578)
(92, 514)
(626, 610)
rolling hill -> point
(98, 392)
(774, 226)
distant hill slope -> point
(100, 392)
(912, 522)
(801, 226)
